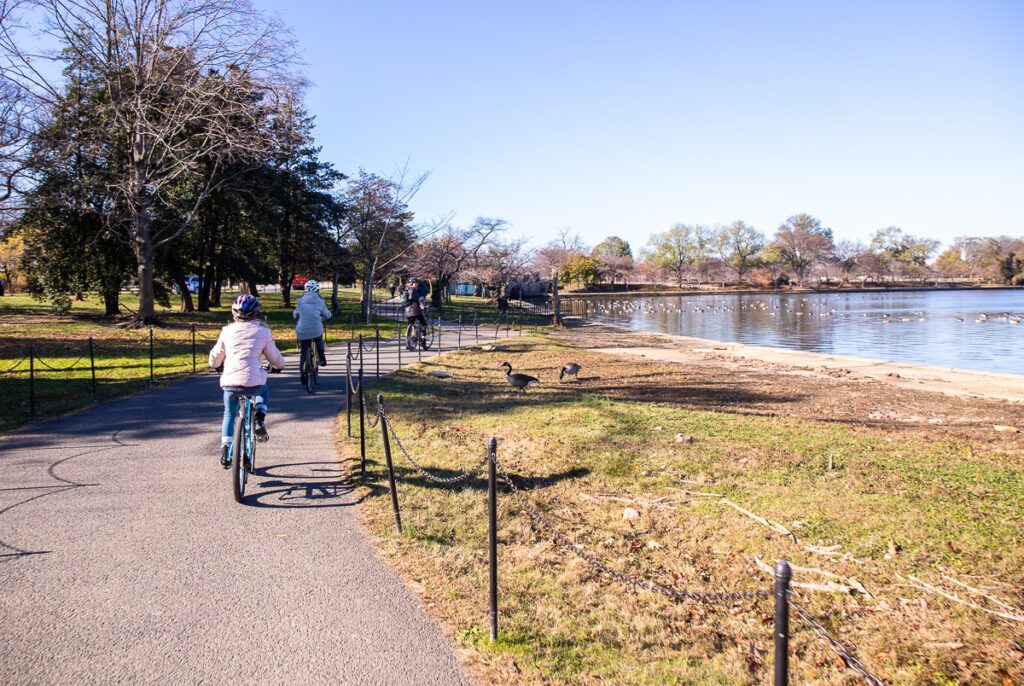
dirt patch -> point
(882, 395)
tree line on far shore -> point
(174, 143)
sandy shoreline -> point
(959, 382)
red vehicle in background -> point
(299, 281)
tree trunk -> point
(144, 258)
(335, 303)
(254, 288)
(215, 292)
(437, 291)
(111, 294)
(206, 289)
(178, 273)
(367, 302)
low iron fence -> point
(780, 591)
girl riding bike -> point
(239, 348)
(311, 312)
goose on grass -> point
(571, 369)
(518, 381)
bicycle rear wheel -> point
(428, 337)
(238, 451)
(307, 368)
(315, 364)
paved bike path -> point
(124, 558)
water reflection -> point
(979, 330)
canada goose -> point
(519, 381)
(571, 369)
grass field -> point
(122, 356)
(875, 514)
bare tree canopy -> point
(190, 85)
(380, 225)
(443, 257)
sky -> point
(612, 118)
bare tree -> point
(380, 225)
(801, 248)
(500, 263)
(443, 257)
(555, 254)
(844, 256)
(189, 86)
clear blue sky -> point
(624, 118)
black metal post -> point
(362, 428)
(376, 346)
(32, 383)
(92, 368)
(151, 357)
(439, 348)
(348, 388)
(400, 342)
(459, 345)
(492, 533)
(783, 573)
(387, 459)
(193, 348)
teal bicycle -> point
(243, 444)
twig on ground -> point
(995, 600)
(938, 591)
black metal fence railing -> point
(105, 363)
(780, 591)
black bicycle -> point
(309, 366)
(417, 332)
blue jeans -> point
(231, 395)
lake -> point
(974, 329)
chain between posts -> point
(427, 475)
(834, 645)
(16, 365)
(59, 369)
(619, 576)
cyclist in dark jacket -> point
(415, 302)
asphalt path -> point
(125, 559)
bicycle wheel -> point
(410, 337)
(238, 451)
(308, 369)
(428, 336)
(315, 364)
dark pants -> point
(304, 346)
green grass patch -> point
(121, 357)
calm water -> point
(928, 327)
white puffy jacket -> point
(240, 347)
(310, 310)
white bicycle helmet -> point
(312, 286)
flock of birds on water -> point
(621, 308)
